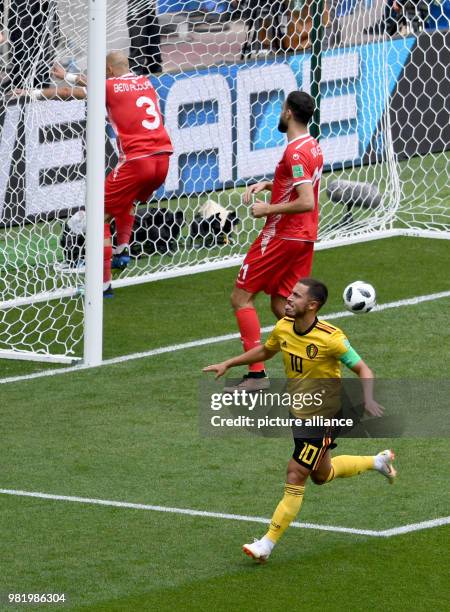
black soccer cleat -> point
(251, 382)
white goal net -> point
(222, 71)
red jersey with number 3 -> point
(134, 114)
(302, 162)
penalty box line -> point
(385, 533)
(217, 339)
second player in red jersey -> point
(283, 251)
(302, 162)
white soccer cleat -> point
(259, 550)
(383, 464)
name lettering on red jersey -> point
(125, 86)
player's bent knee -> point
(240, 299)
(296, 473)
(296, 478)
(234, 303)
(318, 479)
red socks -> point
(248, 322)
(107, 255)
(124, 226)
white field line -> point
(217, 339)
(387, 533)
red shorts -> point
(134, 180)
(276, 270)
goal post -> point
(95, 154)
(221, 73)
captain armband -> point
(350, 358)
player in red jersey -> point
(144, 150)
(283, 251)
(143, 143)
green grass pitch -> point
(129, 432)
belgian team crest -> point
(312, 350)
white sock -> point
(378, 462)
(267, 542)
(118, 250)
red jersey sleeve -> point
(298, 166)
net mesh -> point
(222, 71)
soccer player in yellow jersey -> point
(311, 348)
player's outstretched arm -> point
(366, 376)
(52, 93)
(254, 355)
(58, 72)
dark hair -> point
(301, 105)
(316, 290)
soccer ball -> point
(359, 297)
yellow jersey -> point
(316, 353)
(312, 362)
